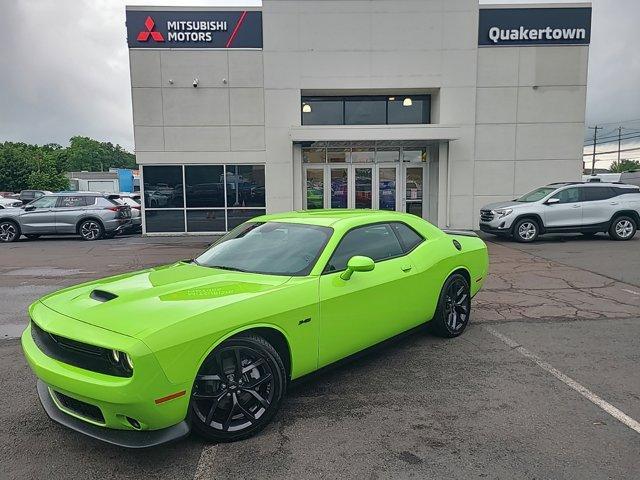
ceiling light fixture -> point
(391, 99)
(407, 102)
(306, 108)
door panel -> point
(566, 213)
(314, 188)
(387, 191)
(414, 187)
(41, 220)
(364, 310)
(339, 187)
(363, 187)
(68, 210)
(599, 205)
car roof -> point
(592, 184)
(331, 217)
(80, 194)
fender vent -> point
(456, 244)
(102, 296)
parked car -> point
(9, 203)
(28, 195)
(210, 344)
(133, 201)
(584, 207)
(90, 215)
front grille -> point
(78, 354)
(486, 215)
(79, 407)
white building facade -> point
(427, 106)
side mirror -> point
(29, 208)
(551, 201)
(357, 264)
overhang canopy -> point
(346, 133)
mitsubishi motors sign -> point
(194, 29)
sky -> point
(65, 70)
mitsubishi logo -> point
(150, 25)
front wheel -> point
(623, 228)
(454, 308)
(526, 230)
(238, 389)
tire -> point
(91, 230)
(222, 407)
(454, 308)
(623, 228)
(32, 236)
(526, 230)
(9, 231)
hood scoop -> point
(102, 296)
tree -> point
(624, 166)
(43, 167)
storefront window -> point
(338, 155)
(408, 109)
(158, 221)
(314, 155)
(366, 110)
(415, 156)
(163, 187)
(315, 189)
(205, 221)
(322, 111)
(203, 201)
(387, 155)
(363, 155)
(205, 185)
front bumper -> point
(117, 399)
(122, 438)
(495, 230)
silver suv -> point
(587, 208)
(90, 215)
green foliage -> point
(43, 167)
(624, 166)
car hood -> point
(142, 302)
(509, 204)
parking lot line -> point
(570, 382)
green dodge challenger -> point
(210, 344)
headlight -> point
(503, 212)
(128, 361)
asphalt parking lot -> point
(556, 329)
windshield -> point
(275, 248)
(537, 194)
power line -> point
(633, 120)
(611, 151)
(612, 140)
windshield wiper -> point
(224, 267)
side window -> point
(568, 195)
(375, 241)
(592, 194)
(105, 202)
(71, 202)
(408, 237)
(44, 202)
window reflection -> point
(237, 216)
(387, 188)
(206, 221)
(164, 221)
(163, 187)
(363, 187)
(339, 188)
(315, 189)
(205, 186)
(245, 186)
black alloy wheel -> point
(238, 389)
(9, 231)
(454, 308)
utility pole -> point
(619, 140)
(593, 158)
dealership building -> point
(426, 106)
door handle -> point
(575, 206)
(406, 268)
(614, 203)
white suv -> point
(587, 208)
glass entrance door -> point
(381, 186)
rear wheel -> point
(526, 230)
(91, 230)
(454, 308)
(238, 389)
(9, 231)
(623, 228)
